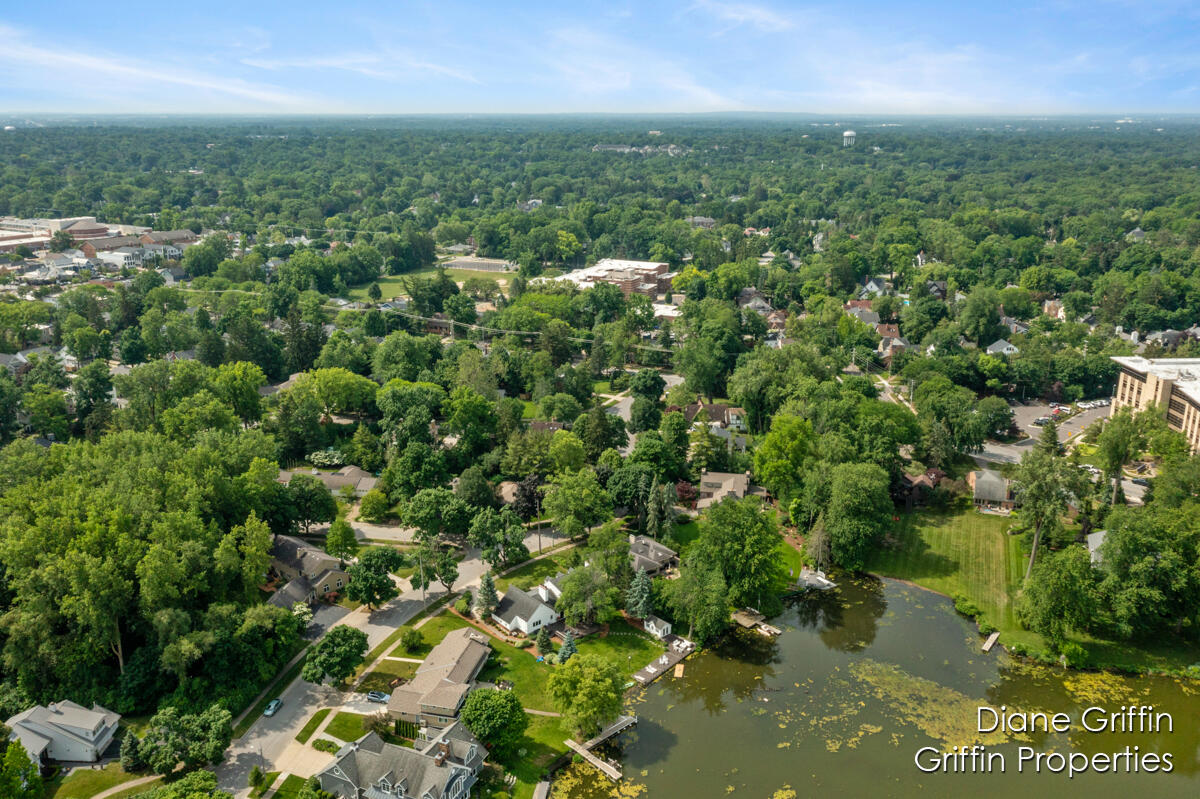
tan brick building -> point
(1170, 383)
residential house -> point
(889, 346)
(1055, 310)
(444, 767)
(991, 489)
(715, 486)
(914, 491)
(875, 287)
(353, 477)
(524, 613)
(1002, 347)
(888, 330)
(937, 288)
(725, 416)
(705, 222)
(1015, 326)
(64, 731)
(292, 558)
(298, 589)
(864, 315)
(654, 557)
(752, 299)
(777, 320)
(1137, 235)
(435, 694)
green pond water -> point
(861, 679)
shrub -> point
(965, 606)
(986, 627)
(463, 605)
(524, 643)
(375, 506)
(327, 458)
(325, 745)
(412, 640)
(1074, 655)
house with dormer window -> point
(445, 766)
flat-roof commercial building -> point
(1170, 383)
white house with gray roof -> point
(64, 731)
(523, 612)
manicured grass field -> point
(346, 726)
(685, 534)
(959, 552)
(964, 553)
(311, 725)
(433, 631)
(381, 678)
(85, 782)
(628, 647)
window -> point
(339, 583)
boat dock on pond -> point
(677, 649)
(810, 578)
(585, 749)
(751, 619)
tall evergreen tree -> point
(544, 645)
(568, 647)
(639, 599)
(486, 599)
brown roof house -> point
(443, 767)
(436, 693)
(715, 486)
(293, 559)
(360, 480)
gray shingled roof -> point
(516, 603)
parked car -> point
(273, 707)
(1140, 481)
(378, 696)
(1041, 420)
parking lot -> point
(1026, 415)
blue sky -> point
(353, 56)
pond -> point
(863, 678)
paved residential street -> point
(270, 743)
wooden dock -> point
(603, 766)
(611, 731)
(751, 619)
(991, 641)
(677, 649)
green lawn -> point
(387, 643)
(628, 647)
(290, 788)
(543, 742)
(85, 782)
(381, 678)
(311, 725)
(532, 573)
(602, 387)
(346, 726)
(685, 534)
(958, 553)
(433, 631)
(963, 553)
(137, 790)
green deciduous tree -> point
(335, 656)
(858, 513)
(587, 691)
(340, 541)
(496, 718)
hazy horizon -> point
(686, 56)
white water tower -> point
(848, 138)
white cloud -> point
(737, 14)
(388, 66)
(66, 64)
